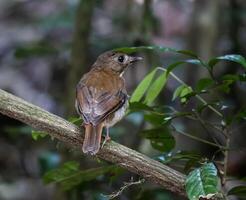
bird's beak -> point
(135, 59)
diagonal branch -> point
(113, 152)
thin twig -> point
(124, 187)
(203, 124)
(226, 153)
(197, 96)
(197, 138)
(212, 125)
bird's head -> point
(116, 61)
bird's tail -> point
(92, 138)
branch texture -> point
(113, 152)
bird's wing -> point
(94, 105)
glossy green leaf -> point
(172, 66)
(69, 175)
(139, 106)
(130, 50)
(239, 191)
(142, 87)
(203, 84)
(202, 182)
(160, 138)
(38, 134)
(185, 91)
(155, 88)
(233, 57)
(188, 52)
(177, 92)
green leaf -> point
(154, 119)
(139, 106)
(38, 134)
(160, 138)
(233, 77)
(177, 92)
(225, 86)
(188, 52)
(75, 120)
(240, 191)
(142, 87)
(155, 89)
(69, 175)
(185, 93)
(233, 57)
(172, 66)
(202, 182)
(203, 84)
(130, 50)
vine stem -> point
(197, 96)
(198, 139)
(226, 156)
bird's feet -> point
(106, 139)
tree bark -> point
(113, 152)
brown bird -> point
(101, 97)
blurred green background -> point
(46, 46)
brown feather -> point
(95, 100)
(92, 138)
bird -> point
(101, 97)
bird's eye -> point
(121, 59)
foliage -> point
(38, 134)
(160, 138)
(203, 178)
(202, 182)
(240, 191)
(69, 175)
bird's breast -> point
(117, 115)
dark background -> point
(45, 47)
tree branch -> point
(113, 152)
